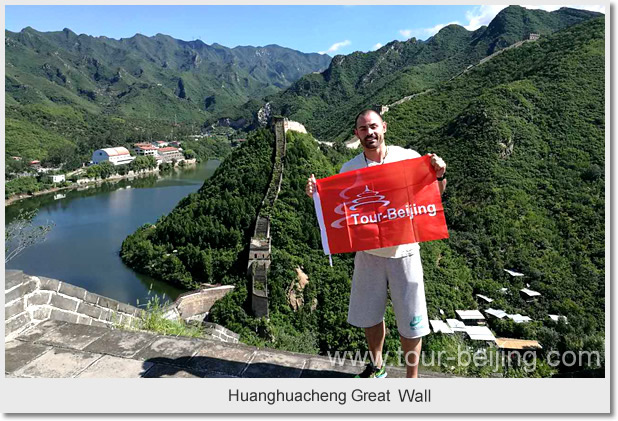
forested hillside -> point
(203, 239)
(326, 102)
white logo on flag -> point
(367, 197)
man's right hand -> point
(310, 188)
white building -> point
(145, 149)
(57, 178)
(170, 153)
(117, 156)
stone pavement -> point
(57, 349)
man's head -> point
(370, 129)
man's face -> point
(370, 130)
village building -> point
(499, 314)
(160, 143)
(439, 326)
(470, 317)
(533, 37)
(528, 294)
(513, 273)
(145, 149)
(518, 318)
(484, 298)
(116, 156)
(556, 318)
(456, 325)
(479, 333)
(56, 178)
(517, 344)
(168, 154)
(35, 164)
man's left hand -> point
(438, 165)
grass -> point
(153, 320)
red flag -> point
(380, 206)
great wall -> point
(260, 244)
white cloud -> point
(336, 46)
(406, 32)
(482, 15)
(377, 46)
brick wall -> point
(31, 299)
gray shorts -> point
(404, 277)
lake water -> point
(90, 226)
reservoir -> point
(90, 225)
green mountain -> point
(327, 102)
(107, 92)
(122, 76)
(523, 137)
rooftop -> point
(116, 151)
(530, 293)
(470, 315)
(479, 333)
(496, 313)
(507, 343)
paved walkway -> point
(55, 349)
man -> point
(398, 268)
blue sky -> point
(327, 29)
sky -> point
(335, 29)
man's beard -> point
(373, 142)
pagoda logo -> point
(367, 197)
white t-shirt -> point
(394, 154)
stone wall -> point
(198, 303)
(216, 331)
(30, 300)
(259, 247)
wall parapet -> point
(29, 300)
